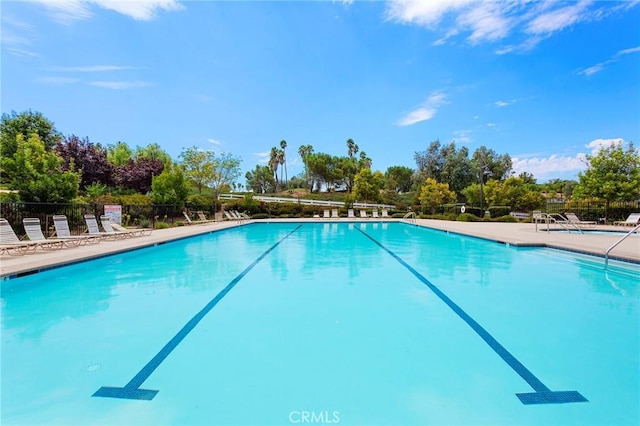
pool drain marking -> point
(132, 389)
(542, 394)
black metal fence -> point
(132, 215)
(594, 210)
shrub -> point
(145, 223)
(468, 217)
(260, 216)
(398, 215)
(162, 225)
(178, 223)
(474, 211)
(199, 202)
(505, 218)
(499, 211)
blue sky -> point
(544, 81)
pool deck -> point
(518, 234)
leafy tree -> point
(138, 174)
(325, 168)
(119, 154)
(514, 192)
(472, 194)
(563, 187)
(445, 163)
(152, 151)
(612, 174)
(401, 177)
(25, 124)
(434, 194)
(37, 172)
(226, 170)
(170, 186)
(90, 160)
(274, 162)
(198, 166)
(484, 158)
(260, 180)
(368, 185)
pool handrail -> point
(606, 253)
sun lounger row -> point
(351, 214)
(10, 243)
(235, 215)
(202, 218)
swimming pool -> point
(290, 323)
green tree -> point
(434, 194)
(304, 151)
(37, 173)
(283, 147)
(226, 170)
(484, 158)
(198, 166)
(119, 154)
(613, 174)
(260, 180)
(368, 185)
(152, 151)
(274, 162)
(401, 176)
(516, 192)
(25, 124)
(170, 186)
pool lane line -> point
(542, 394)
(132, 389)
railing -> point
(306, 202)
(606, 253)
(410, 217)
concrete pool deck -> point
(518, 234)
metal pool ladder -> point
(606, 253)
(410, 217)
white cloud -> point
(263, 157)
(425, 112)
(557, 165)
(501, 103)
(597, 144)
(529, 22)
(602, 65)
(68, 11)
(119, 85)
(463, 136)
(214, 141)
(16, 37)
(94, 68)
(553, 166)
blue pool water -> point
(329, 323)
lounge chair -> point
(632, 220)
(11, 244)
(334, 214)
(374, 214)
(575, 220)
(34, 232)
(63, 233)
(114, 228)
(325, 214)
(363, 214)
(94, 229)
(229, 216)
(203, 217)
(385, 213)
(240, 216)
(350, 214)
(187, 218)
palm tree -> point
(352, 148)
(365, 162)
(274, 161)
(304, 151)
(283, 145)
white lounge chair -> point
(94, 229)
(334, 214)
(34, 232)
(325, 214)
(385, 213)
(350, 214)
(374, 214)
(11, 244)
(111, 227)
(64, 233)
(632, 220)
(575, 220)
(363, 214)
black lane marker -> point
(132, 389)
(542, 394)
